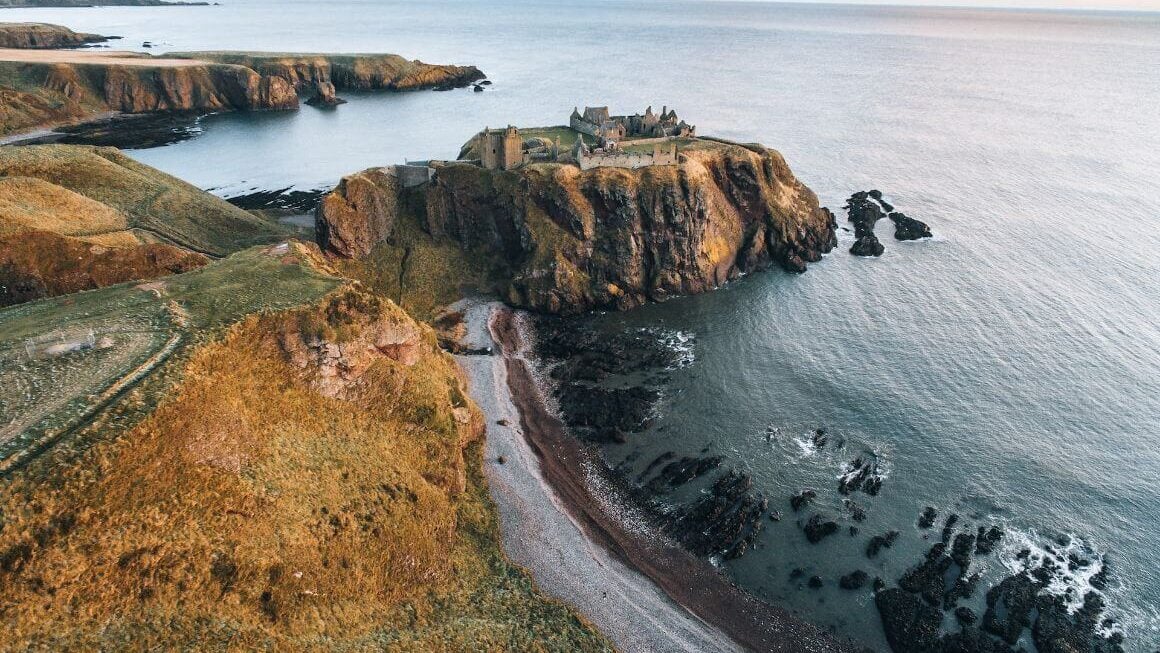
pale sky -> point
(1130, 5)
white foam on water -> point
(1064, 552)
(681, 343)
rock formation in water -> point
(907, 228)
(45, 35)
(913, 613)
(865, 208)
(569, 240)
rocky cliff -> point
(44, 35)
(39, 91)
(568, 240)
(363, 72)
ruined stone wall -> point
(412, 175)
(627, 159)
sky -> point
(1111, 5)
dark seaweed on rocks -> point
(284, 199)
(861, 474)
(818, 528)
(912, 613)
(725, 522)
(606, 384)
(127, 132)
(879, 542)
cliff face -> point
(141, 88)
(44, 35)
(45, 90)
(571, 241)
(365, 72)
(360, 212)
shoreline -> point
(664, 582)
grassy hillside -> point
(124, 196)
(253, 491)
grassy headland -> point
(257, 454)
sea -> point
(1006, 370)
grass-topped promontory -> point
(301, 472)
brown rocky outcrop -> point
(569, 240)
(354, 329)
(49, 90)
(360, 212)
(44, 35)
(37, 264)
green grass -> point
(44, 396)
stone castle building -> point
(506, 149)
(596, 121)
(501, 150)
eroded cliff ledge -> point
(40, 88)
(44, 35)
(562, 240)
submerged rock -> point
(879, 542)
(867, 245)
(853, 580)
(1009, 606)
(802, 499)
(926, 519)
(725, 522)
(819, 528)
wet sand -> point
(583, 545)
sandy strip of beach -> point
(585, 547)
(105, 57)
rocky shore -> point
(593, 496)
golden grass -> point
(150, 200)
(30, 203)
(249, 511)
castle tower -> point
(501, 150)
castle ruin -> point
(501, 150)
(507, 149)
(596, 121)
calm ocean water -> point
(1007, 370)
